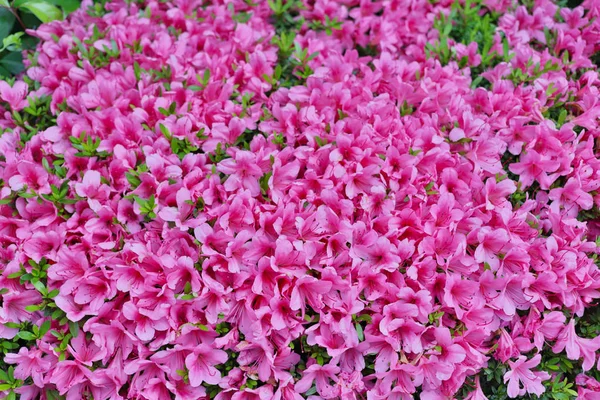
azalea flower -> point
(522, 380)
(201, 365)
(322, 375)
(576, 346)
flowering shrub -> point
(303, 199)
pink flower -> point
(450, 352)
(323, 375)
(145, 325)
(43, 244)
(15, 96)
(491, 244)
(201, 365)
(14, 304)
(363, 206)
(262, 393)
(282, 178)
(506, 347)
(434, 371)
(30, 363)
(380, 255)
(113, 337)
(572, 194)
(522, 380)
(588, 387)
(92, 189)
(30, 175)
(361, 181)
(496, 192)
(83, 352)
(461, 294)
(68, 374)
(533, 166)
(308, 290)
(257, 358)
(577, 347)
(224, 134)
(477, 394)
(243, 172)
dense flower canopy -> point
(302, 199)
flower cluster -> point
(302, 199)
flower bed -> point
(286, 200)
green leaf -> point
(15, 275)
(40, 287)
(12, 42)
(67, 5)
(359, 332)
(26, 335)
(165, 131)
(74, 328)
(311, 391)
(5, 386)
(562, 117)
(4, 3)
(44, 328)
(44, 11)
(7, 20)
(13, 62)
(206, 77)
(10, 346)
(32, 308)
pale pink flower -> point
(522, 380)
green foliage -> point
(97, 58)
(588, 326)
(133, 176)
(181, 147)
(532, 72)
(147, 206)
(218, 155)
(7, 377)
(59, 197)
(34, 118)
(467, 23)
(35, 274)
(87, 146)
(286, 16)
(471, 22)
(292, 68)
(17, 16)
(328, 26)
